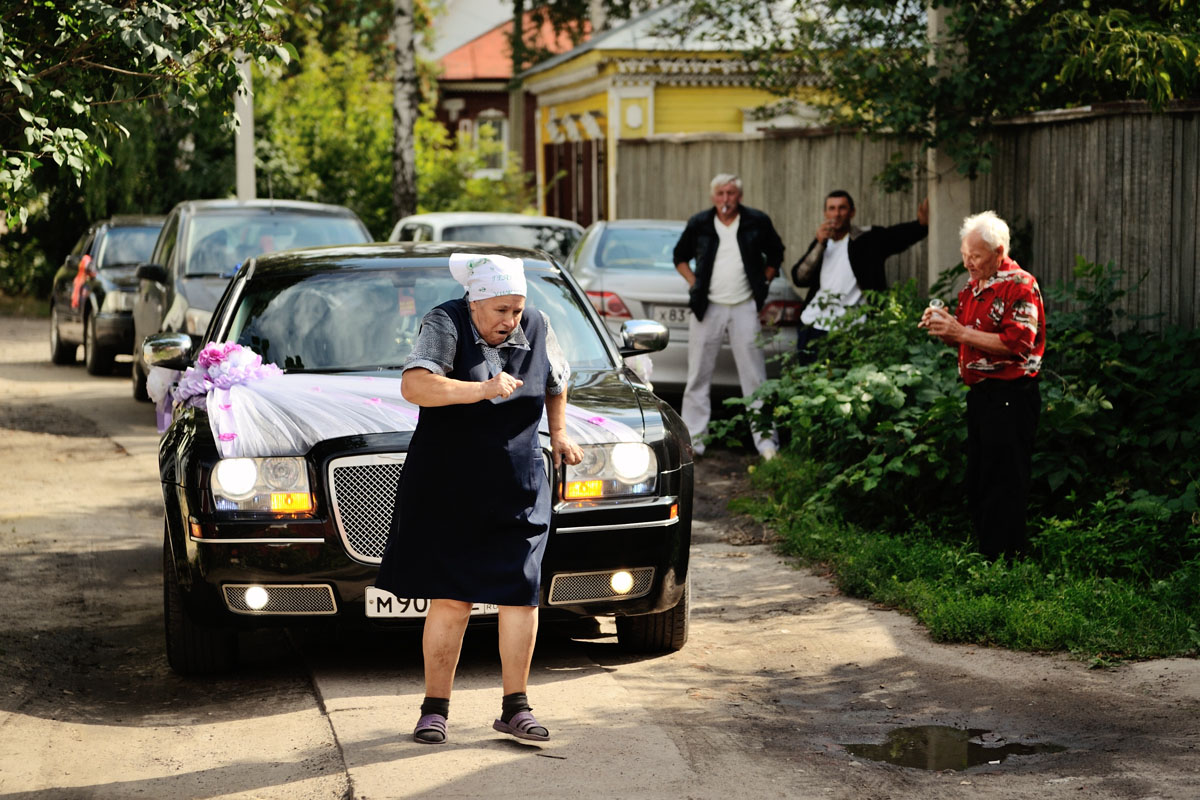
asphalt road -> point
(780, 675)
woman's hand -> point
(502, 385)
(564, 449)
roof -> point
(643, 33)
(487, 217)
(383, 255)
(134, 221)
(489, 55)
(301, 206)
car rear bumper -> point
(115, 331)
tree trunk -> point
(404, 111)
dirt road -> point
(780, 675)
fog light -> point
(256, 598)
(621, 582)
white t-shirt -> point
(729, 285)
(838, 290)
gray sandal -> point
(523, 725)
(431, 729)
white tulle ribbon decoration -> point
(256, 410)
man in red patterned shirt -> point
(1000, 332)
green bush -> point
(871, 479)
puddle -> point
(940, 747)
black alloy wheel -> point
(139, 377)
(98, 360)
(192, 649)
(60, 352)
(664, 632)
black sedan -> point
(201, 245)
(279, 480)
(91, 302)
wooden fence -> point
(1113, 184)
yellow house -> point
(631, 83)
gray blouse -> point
(437, 343)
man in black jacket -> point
(737, 254)
(842, 262)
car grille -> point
(297, 598)
(364, 497)
(585, 587)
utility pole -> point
(243, 108)
(949, 190)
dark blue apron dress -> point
(472, 509)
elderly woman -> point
(473, 506)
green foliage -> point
(325, 134)
(870, 482)
(451, 172)
(66, 70)
(870, 64)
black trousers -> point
(806, 337)
(1002, 417)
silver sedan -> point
(626, 268)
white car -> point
(628, 271)
(551, 234)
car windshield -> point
(638, 247)
(368, 320)
(219, 242)
(125, 246)
(557, 240)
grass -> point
(959, 596)
(23, 306)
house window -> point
(491, 136)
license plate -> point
(386, 605)
(672, 315)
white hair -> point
(724, 178)
(992, 229)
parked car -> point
(91, 301)
(627, 268)
(554, 235)
(201, 245)
(234, 555)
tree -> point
(405, 100)
(869, 63)
(68, 68)
(325, 134)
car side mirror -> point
(152, 272)
(171, 350)
(643, 336)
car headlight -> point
(612, 470)
(116, 301)
(273, 485)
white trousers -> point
(704, 343)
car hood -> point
(203, 291)
(604, 396)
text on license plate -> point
(387, 605)
(672, 315)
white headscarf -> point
(487, 276)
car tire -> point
(60, 352)
(192, 649)
(139, 379)
(663, 632)
(96, 359)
